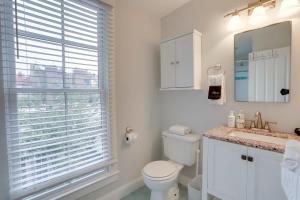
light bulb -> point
(289, 7)
(258, 15)
(235, 23)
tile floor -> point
(143, 193)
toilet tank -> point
(181, 149)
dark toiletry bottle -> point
(297, 131)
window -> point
(56, 71)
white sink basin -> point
(258, 137)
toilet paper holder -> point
(130, 135)
(128, 130)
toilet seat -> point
(159, 170)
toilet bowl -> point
(161, 178)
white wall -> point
(138, 34)
(192, 107)
(137, 82)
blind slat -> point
(57, 172)
(79, 24)
(73, 10)
(48, 151)
(48, 5)
(39, 157)
(49, 117)
(54, 163)
(39, 112)
(28, 10)
(68, 137)
(56, 122)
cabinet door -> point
(264, 175)
(184, 61)
(167, 50)
(227, 171)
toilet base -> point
(171, 194)
(159, 195)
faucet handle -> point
(252, 123)
(267, 125)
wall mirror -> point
(262, 60)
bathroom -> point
(137, 103)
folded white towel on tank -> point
(180, 130)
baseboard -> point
(184, 180)
(123, 191)
(131, 187)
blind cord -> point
(17, 31)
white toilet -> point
(161, 176)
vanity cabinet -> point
(181, 62)
(238, 172)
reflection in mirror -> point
(262, 64)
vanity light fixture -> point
(258, 15)
(235, 22)
(256, 11)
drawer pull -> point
(250, 159)
(243, 157)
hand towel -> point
(291, 157)
(290, 170)
(180, 130)
(214, 92)
(216, 89)
(290, 183)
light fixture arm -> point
(251, 6)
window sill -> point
(86, 187)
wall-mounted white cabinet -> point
(181, 62)
(238, 172)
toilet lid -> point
(159, 169)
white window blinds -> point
(56, 71)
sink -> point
(258, 137)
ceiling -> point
(159, 7)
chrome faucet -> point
(258, 120)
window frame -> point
(101, 180)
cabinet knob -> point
(250, 159)
(172, 63)
(243, 157)
(177, 62)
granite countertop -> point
(222, 133)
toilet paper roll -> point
(131, 137)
